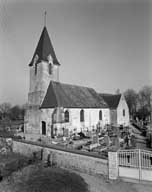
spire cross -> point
(45, 18)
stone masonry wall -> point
(64, 158)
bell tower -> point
(44, 67)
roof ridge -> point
(75, 85)
(109, 94)
(44, 29)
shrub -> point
(53, 180)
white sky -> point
(102, 44)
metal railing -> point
(135, 158)
(146, 159)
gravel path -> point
(101, 184)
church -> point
(56, 108)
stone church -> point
(56, 108)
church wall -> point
(40, 80)
(33, 122)
(46, 116)
(33, 116)
(38, 83)
(35, 98)
(121, 119)
(91, 118)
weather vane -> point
(45, 18)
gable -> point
(122, 103)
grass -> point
(52, 180)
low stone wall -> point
(64, 158)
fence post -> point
(113, 165)
(139, 156)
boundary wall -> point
(66, 158)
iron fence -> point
(136, 158)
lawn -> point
(35, 178)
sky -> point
(103, 44)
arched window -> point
(82, 115)
(50, 68)
(43, 128)
(100, 115)
(66, 116)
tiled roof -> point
(111, 100)
(44, 49)
(71, 96)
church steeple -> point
(44, 50)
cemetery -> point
(99, 141)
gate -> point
(135, 164)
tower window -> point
(100, 115)
(43, 128)
(123, 112)
(35, 68)
(50, 68)
(66, 116)
(82, 115)
(35, 63)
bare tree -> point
(145, 98)
(5, 109)
(16, 113)
(132, 100)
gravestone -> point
(88, 133)
(95, 139)
(66, 132)
(107, 140)
(116, 142)
(116, 131)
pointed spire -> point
(44, 49)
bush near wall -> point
(12, 162)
